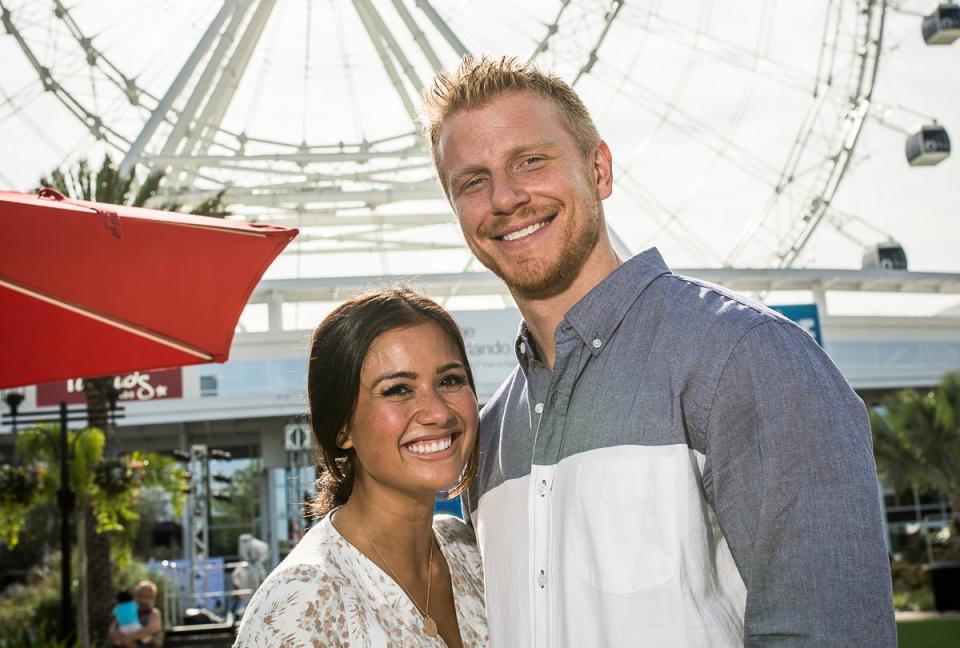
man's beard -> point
(537, 279)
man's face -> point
(528, 202)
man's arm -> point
(791, 476)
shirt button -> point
(523, 349)
(543, 488)
(597, 343)
(541, 579)
(538, 408)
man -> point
(670, 464)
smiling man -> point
(670, 464)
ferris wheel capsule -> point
(929, 145)
(942, 27)
(888, 255)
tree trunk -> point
(100, 588)
(100, 585)
(83, 628)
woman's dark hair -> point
(339, 347)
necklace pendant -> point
(429, 626)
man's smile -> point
(526, 230)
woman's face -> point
(415, 423)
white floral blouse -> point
(327, 593)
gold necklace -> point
(429, 625)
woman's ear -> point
(344, 442)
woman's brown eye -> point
(453, 381)
(396, 390)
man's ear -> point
(603, 170)
(344, 442)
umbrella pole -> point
(65, 500)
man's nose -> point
(508, 194)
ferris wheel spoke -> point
(698, 131)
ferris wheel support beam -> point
(330, 218)
(297, 158)
(418, 36)
(442, 27)
(408, 69)
(202, 87)
(179, 83)
(385, 59)
(216, 108)
(239, 196)
(853, 126)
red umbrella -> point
(90, 289)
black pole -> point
(65, 499)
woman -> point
(149, 621)
(394, 412)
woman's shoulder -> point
(302, 598)
(316, 560)
(452, 531)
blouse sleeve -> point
(301, 606)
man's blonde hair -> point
(477, 82)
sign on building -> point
(136, 386)
(806, 317)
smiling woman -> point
(394, 412)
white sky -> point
(700, 105)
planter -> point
(945, 582)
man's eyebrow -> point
(463, 172)
(458, 174)
(411, 375)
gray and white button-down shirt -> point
(693, 472)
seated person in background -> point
(148, 618)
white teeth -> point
(429, 447)
(526, 231)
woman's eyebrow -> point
(449, 366)
(411, 375)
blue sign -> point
(805, 316)
(448, 506)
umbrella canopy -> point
(90, 289)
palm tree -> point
(107, 185)
(916, 438)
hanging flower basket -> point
(18, 484)
(113, 475)
(117, 475)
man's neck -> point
(543, 316)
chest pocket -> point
(624, 529)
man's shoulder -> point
(703, 308)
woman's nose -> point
(434, 409)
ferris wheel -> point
(732, 131)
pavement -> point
(925, 616)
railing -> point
(176, 599)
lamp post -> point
(66, 498)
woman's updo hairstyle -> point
(340, 345)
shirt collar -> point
(598, 314)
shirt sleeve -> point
(790, 473)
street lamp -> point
(66, 498)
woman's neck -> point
(399, 527)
